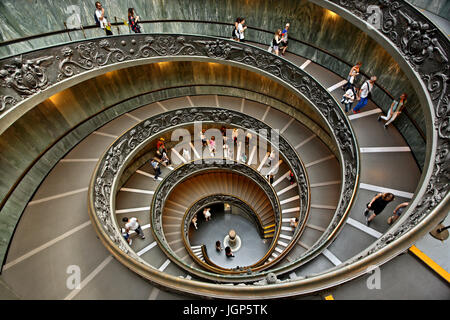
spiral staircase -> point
(56, 230)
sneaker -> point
(366, 212)
(379, 118)
(385, 127)
(143, 237)
(131, 241)
(368, 222)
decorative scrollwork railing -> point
(120, 154)
(211, 49)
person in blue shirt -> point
(284, 39)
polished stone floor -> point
(252, 247)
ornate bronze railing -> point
(147, 130)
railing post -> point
(82, 29)
(117, 25)
(68, 32)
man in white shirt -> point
(366, 88)
(133, 225)
(100, 14)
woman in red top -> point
(133, 21)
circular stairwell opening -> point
(250, 244)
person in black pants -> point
(156, 167)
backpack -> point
(369, 95)
(97, 22)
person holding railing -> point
(100, 19)
(133, 21)
(395, 109)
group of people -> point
(228, 251)
(131, 224)
(227, 144)
(239, 29)
(363, 94)
(103, 23)
(377, 205)
(206, 214)
(280, 41)
(160, 158)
